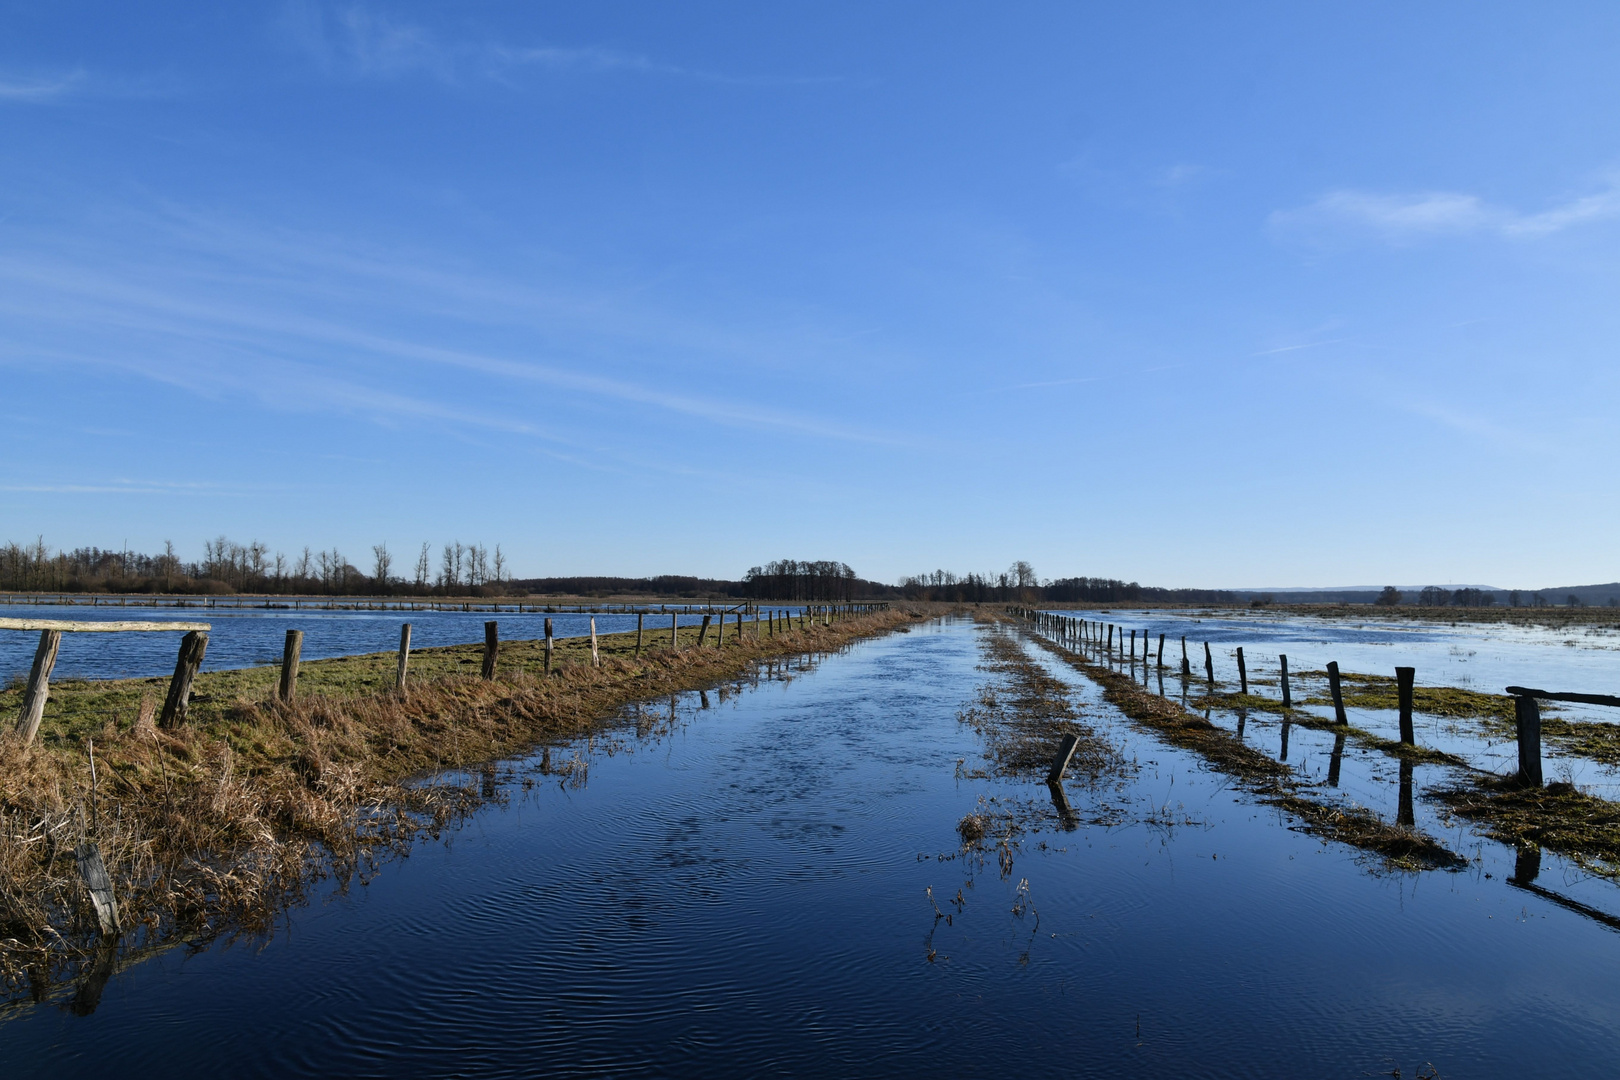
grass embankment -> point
(1272, 781)
(216, 827)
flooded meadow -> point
(854, 864)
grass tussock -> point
(214, 829)
(1024, 716)
(1581, 827)
(1272, 781)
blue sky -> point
(1189, 294)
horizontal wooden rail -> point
(96, 627)
(1554, 695)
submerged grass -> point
(214, 829)
(1581, 827)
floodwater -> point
(251, 637)
(740, 887)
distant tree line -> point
(1020, 583)
(671, 585)
(823, 581)
(229, 567)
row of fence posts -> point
(769, 621)
(1100, 638)
(194, 645)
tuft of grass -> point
(1582, 827)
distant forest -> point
(1019, 582)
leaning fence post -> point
(1209, 665)
(175, 706)
(39, 684)
(1404, 678)
(1527, 715)
(404, 656)
(1288, 702)
(288, 691)
(94, 872)
(492, 646)
(1061, 761)
(703, 631)
(1338, 697)
(1243, 673)
(548, 646)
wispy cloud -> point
(40, 88)
(1412, 218)
(357, 42)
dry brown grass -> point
(216, 828)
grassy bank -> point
(215, 828)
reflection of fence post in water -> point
(1403, 812)
(1288, 702)
(1338, 697)
(1243, 673)
(1335, 760)
(1526, 865)
(1243, 718)
(1404, 678)
(1283, 756)
(288, 690)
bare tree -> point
(423, 569)
(382, 562)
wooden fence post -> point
(1161, 653)
(288, 690)
(720, 632)
(1209, 665)
(548, 646)
(1133, 646)
(675, 631)
(596, 659)
(175, 706)
(492, 647)
(1186, 668)
(1243, 673)
(404, 657)
(639, 617)
(1288, 702)
(39, 684)
(703, 631)
(1527, 715)
(1404, 678)
(94, 872)
(1061, 761)
(1338, 697)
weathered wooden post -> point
(720, 632)
(492, 648)
(175, 706)
(1243, 673)
(596, 659)
(675, 631)
(1288, 702)
(94, 872)
(1338, 697)
(1527, 715)
(639, 616)
(39, 684)
(288, 690)
(548, 646)
(703, 631)
(1404, 678)
(1186, 668)
(1133, 646)
(1161, 654)
(1209, 665)
(404, 657)
(1110, 645)
(1061, 761)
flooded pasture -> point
(767, 878)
